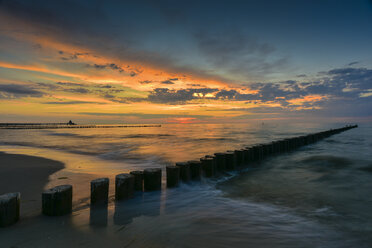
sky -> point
(185, 61)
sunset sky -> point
(185, 61)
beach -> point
(27, 175)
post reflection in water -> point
(98, 216)
(143, 204)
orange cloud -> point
(307, 99)
(52, 43)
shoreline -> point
(27, 175)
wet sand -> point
(28, 175)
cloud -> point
(167, 82)
(232, 54)
(71, 102)
(71, 56)
(117, 99)
(196, 85)
(346, 87)
(69, 84)
(353, 63)
(115, 67)
(77, 90)
(65, 87)
(144, 115)
(165, 95)
(238, 53)
(107, 66)
(8, 91)
(107, 86)
(301, 75)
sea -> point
(316, 196)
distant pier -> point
(66, 125)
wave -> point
(66, 135)
(367, 168)
(326, 162)
(146, 136)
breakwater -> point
(208, 166)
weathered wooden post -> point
(207, 166)
(238, 154)
(138, 180)
(99, 190)
(286, 145)
(195, 169)
(152, 179)
(268, 149)
(184, 171)
(229, 161)
(261, 151)
(248, 155)
(214, 163)
(124, 186)
(57, 201)
(173, 176)
(276, 146)
(264, 150)
(9, 208)
(255, 153)
(220, 161)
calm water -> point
(317, 196)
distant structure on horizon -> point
(69, 124)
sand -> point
(27, 175)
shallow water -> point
(317, 196)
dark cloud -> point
(167, 82)
(108, 66)
(196, 85)
(360, 78)
(130, 72)
(107, 86)
(349, 84)
(111, 97)
(238, 53)
(68, 15)
(37, 46)
(71, 56)
(69, 84)
(165, 95)
(64, 87)
(18, 91)
(225, 47)
(145, 82)
(78, 90)
(353, 63)
(258, 110)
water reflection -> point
(143, 204)
(98, 216)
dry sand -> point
(28, 175)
